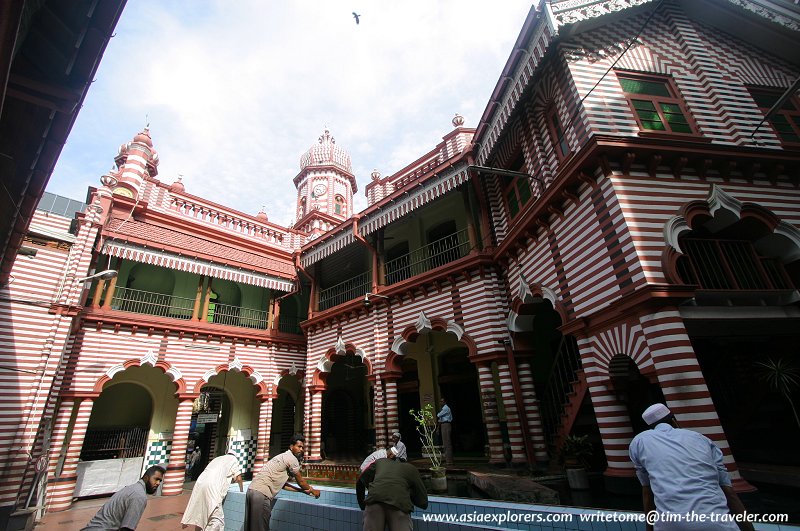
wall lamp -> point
(368, 303)
(507, 173)
(105, 275)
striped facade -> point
(593, 260)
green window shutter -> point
(640, 86)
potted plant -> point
(575, 453)
(426, 427)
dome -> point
(458, 120)
(177, 186)
(325, 152)
(262, 215)
(376, 175)
(144, 138)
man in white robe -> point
(204, 510)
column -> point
(512, 416)
(198, 299)
(63, 485)
(380, 411)
(684, 386)
(490, 415)
(112, 286)
(392, 413)
(58, 437)
(315, 423)
(264, 429)
(176, 468)
(613, 419)
(530, 407)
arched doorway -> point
(225, 417)
(408, 399)
(458, 383)
(633, 389)
(129, 429)
(345, 407)
(287, 415)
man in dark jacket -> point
(394, 489)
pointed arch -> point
(151, 359)
(423, 325)
(326, 361)
(235, 365)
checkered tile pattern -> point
(157, 453)
(246, 452)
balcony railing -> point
(730, 265)
(289, 324)
(138, 301)
(431, 256)
(235, 316)
(345, 291)
(145, 302)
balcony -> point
(345, 291)
(161, 305)
(435, 254)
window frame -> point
(553, 125)
(792, 116)
(674, 98)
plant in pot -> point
(426, 427)
(575, 454)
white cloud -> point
(235, 92)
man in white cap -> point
(401, 447)
(681, 472)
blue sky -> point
(236, 92)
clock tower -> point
(325, 187)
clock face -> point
(121, 190)
(319, 190)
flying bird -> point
(356, 16)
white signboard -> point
(206, 418)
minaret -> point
(325, 187)
(136, 161)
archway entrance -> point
(287, 415)
(408, 399)
(130, 428)
(345, 407)
(458, 383)
(225, 417)
(633, 389)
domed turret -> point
(177, 186)
(262, 215)
(326, 153)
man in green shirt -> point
(394, 489)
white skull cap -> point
(655, 413)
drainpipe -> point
(372, 250)
(523, 421)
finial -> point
(375, 174)
(458, 120)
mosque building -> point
(621, 227)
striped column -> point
(684, 386)
(392, 418)
(530, 407)
(380, 412)
(315, 423)
(264, 429)
(613, 419)
(59, 435)
(176, 468)
(64, 484)
(490, 415)
(512, 415)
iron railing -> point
(138, 301)
(114, 443)
(345, 291)
(235, 316)
(435, 254)
(730, 265)
(559, 384)
(289, 324)
(159, 304)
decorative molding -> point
(423, 324)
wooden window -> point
(517, 194)
(557, 133)
(786, 119)
(656, 104)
